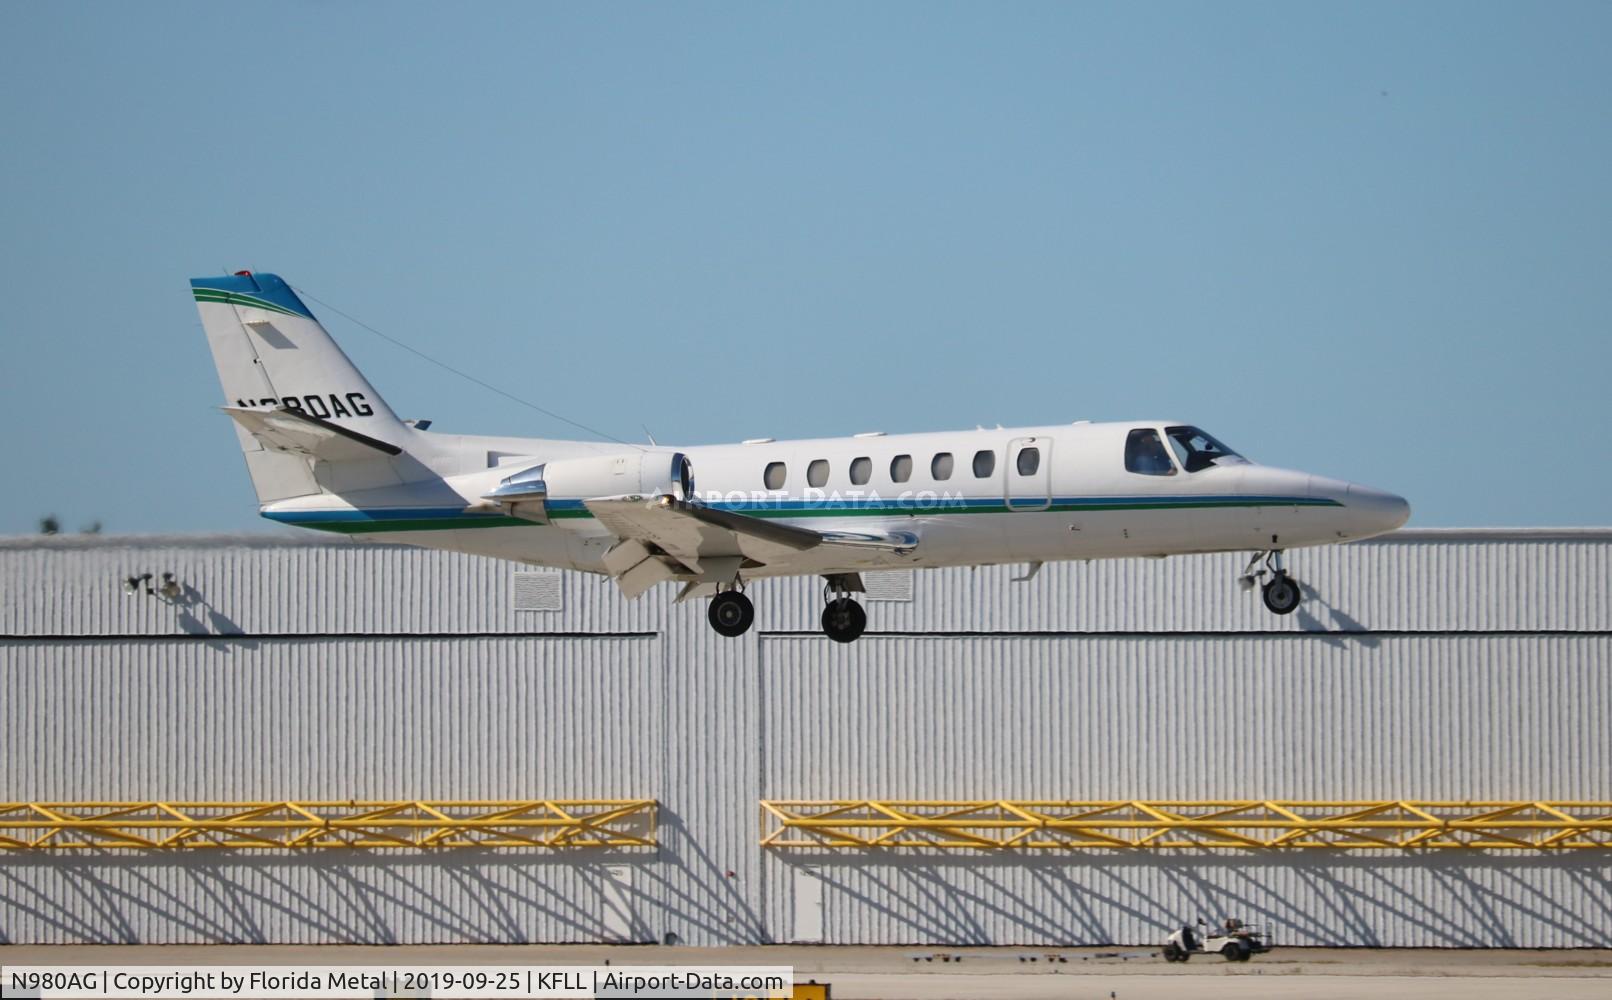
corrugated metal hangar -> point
(561, 765)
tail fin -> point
(271, 353)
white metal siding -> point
(322, 898)
(1508, 583)
(1159, 717)
(1145, 717)
(1436, 581)
(275, 719)
(1459, 664)
(70, 588)
(1422, 901)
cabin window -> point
(901, 468)
(984, 464)
(861, 471)
(940, 467)
(1197, 450)
(775, 475)
(1145, 454)
(1029, 461)
(817, 472)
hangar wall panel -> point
(1437, 663)
(708, 836)
(1219, 717)
(1145, 717)
(73, 586)
(324, 899)
(1307, 900)
(250, 720)
(1454, 580)
(266, 720)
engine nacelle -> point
(646, 473)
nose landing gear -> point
(1281, 592)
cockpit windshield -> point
(1197, 450)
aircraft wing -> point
(663, 538)
(283, 429)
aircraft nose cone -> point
(1381, 510)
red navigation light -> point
(243, 274)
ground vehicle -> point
(1232, 939)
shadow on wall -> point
(226, 634)
(330, 896)
(491, 897)
(1332, 899)
(366, 897)
(702, 901)
(1340, 628)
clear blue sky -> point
(1372, 241)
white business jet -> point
(325, 452)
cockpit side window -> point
(1197, 450)
(1145, 454)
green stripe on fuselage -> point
(462, 522)
(420, 524)
(998, 507)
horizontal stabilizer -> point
(296, 432)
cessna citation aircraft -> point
(325, 452)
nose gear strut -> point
(1281, 592)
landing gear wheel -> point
(844, 620)
(731, 613)
(1282, 594)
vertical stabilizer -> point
(271, 352)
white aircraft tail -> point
(299, 405)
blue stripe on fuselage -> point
(785, 505)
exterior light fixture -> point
(170, 589)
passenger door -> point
(1029, 473)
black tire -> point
(1234, 952)
(1282, 595)
(844, 620)
(731, 614)
(1173, 954)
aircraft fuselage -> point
(1079, 503)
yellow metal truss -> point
(1027, 825)
(556, 823)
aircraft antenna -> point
(464, 375)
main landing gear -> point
(1281, 592)
(731, 613)
(843, 618)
